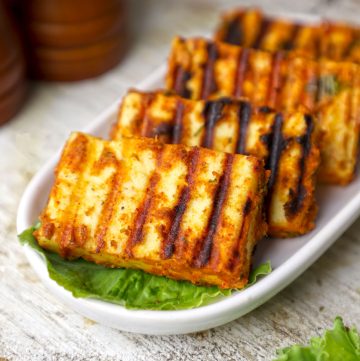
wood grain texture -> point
(36, 326)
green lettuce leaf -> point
(258, 272)
(338, 344)
(133, 289)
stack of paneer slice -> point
(196, 174)
(188, 213)
(285, 141)
(202, 69)
(251, 28)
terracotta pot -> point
(66, 38)
(98, 49)
(67, 11)
(11, 102)
(62, 35)
(79, 69)
(12, 69)
(12, 74)
(9, 49)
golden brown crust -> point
(281, 80)
(285, 141)
(183, 212)
(252, 28)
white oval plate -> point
(339, 207)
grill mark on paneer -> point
(212, 113)
(181, 78)
(178, 122)
(276, 147)
(143, 210)
(265, 25)
(234, 33)
(247, 206)
(297, 197)
(180, 208)
(242, 64)
(162, 129)
(244, 115)
(209, 85)
(146, 129)
(289, 44)
(195, 218)
(204, 252)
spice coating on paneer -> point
(202, 69)
(184, 212)
(320, 39)
(285, 141)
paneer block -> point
(202, 69)
(285, 141)
(254, 29)
(183, 212)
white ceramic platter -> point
(339, 207)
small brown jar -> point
(73, 40)
(12, 68)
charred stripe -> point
(204, 253)
(136, 235)
(146, 125)
(209, 85)
(212, 112)
(276, 147)
(298, 196)
(162, 129)
(265, 25)
(177, 128)
(265, 109)
(181, 78)
(234, 33)
(180, 208)
(244, 115)
(290, 42)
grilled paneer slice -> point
(251, 28)
(285, 141)
(183, 212)
(202, 69)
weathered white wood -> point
(34, 325)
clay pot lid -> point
(65, 35)
(95, 50)
(54, 70)
(13, 74)
(11, 102)
(9, 47)
(68, 11)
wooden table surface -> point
(36, 326)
